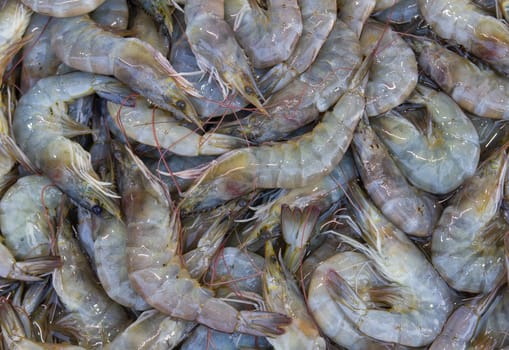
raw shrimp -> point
(161, 10)
(144, 28)
(157, 271)
(152, 331)
(404, 11)
(354, 268)
(216, 50)
(318, 18)
(393, 75)
(463, 322)
(27, 210)
(112, 14)
(480, 91)
(268, 36)
(158, 128)
(81, 44)
(282, 165)
(205, 338)
(439, 159)
(14, 19)
(385, 4)
(411, 210)
(468, 242)
(416, 301)
(466, 24)
(314, 91)
(41, 128)
(91, 314)
(282, 294)
(63, 8)
(355, 13)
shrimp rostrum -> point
(156, 270)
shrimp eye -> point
(249, 90)
(181, 105)
(97, 210)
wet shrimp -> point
(385, 4)
(155, 268)
(63, 8)
(130, 60)
(158, 128)
(161, 10)
(282, 294)
(112, 14)
(393, 75)
(41, 128)
(217, 52)
(152, 331)
(281, 165)
(411, 210)
(268, 36)
(439, 158)
(466, 24)
(206, 338)
(314, 91)
(355, 13)
(14, 19)
(144, 28)
(318, 18)
(416, 300)
(405, 11)
(480, 91)
(467, 248)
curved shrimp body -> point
(152, 331)
(318, 18)
(393, 75)
(83, 45)
(213, 43)
(312, 92)
(267, 36)
(418, 301)
(41, 128)
(94, 316)
(354, 268)
(63, 8)
(158, 273)
(25, 212)
(469, 26)
(467, 247)
(355, 13)
(440, 160)
(282, 295)
(112, 14)
(479, 91)
(411, 210)
(159, 128)
(281, 165)
(14, 19)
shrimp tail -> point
(341, 291)
(214, 143)
(262, 323)
(116, 92)
(29, 269)
(14, 151)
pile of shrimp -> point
(262, 174)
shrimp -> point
(466, 24)
(417, 301)
(480, 91)
(269, 35)
(112, 14)
(144, 28)
(439, 160)
(155, 269)
(161, 10)
(318, 18)
(282, 295)
(314, 91)
(14, 19)
(152, 331)
(130, 60)
(282, 165)
(41, 128)
(385, 4)
(393, 75)
(91, 314)
(63, 8)
(217, 52)
(205, 338)
(26, 211)
(158, 128)
(467, 248)
(411, 210)
(355, 13)
(404, 11)
(463, 322)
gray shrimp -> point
(63, 8)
